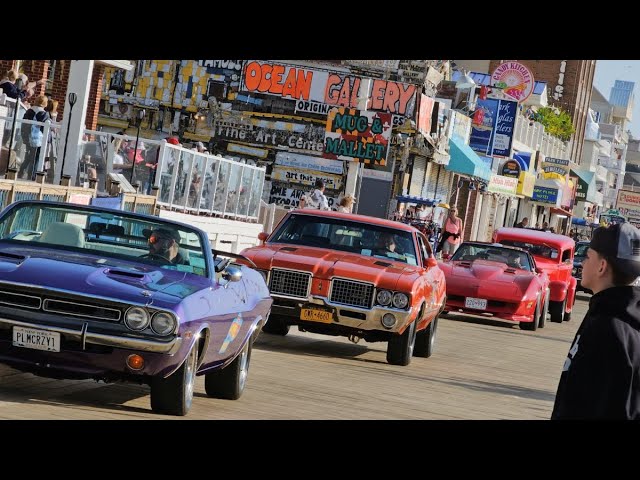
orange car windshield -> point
(348, 236)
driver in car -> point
(165, 243)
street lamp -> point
(135, 149)
(73, 98)
(15, 120)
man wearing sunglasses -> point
(165, 243)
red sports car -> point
(490, 278)
(354, 276)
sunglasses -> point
(153, 239)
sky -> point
(608, 71)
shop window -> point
(217, 89)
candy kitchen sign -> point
(515, 79)
(332, 88)
(357, 135)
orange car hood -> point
(323, 263)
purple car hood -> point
(97, 276)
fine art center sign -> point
(357, 135)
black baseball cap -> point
(620, 242)
(165, 233)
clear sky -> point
(608, 71)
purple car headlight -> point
(136, 318)
(163, 323)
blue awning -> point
(466, 162)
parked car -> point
(90, 292)
(579, 256)
(490, 278)
(553, 254)
(354, 276)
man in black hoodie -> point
(601, 374)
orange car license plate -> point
(315, 315)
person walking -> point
(601, 375)
(522, 224)
(451, 232)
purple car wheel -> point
(174, 395)
(229, 382)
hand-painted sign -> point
(500, 184)
(510, 168)
(484, 120)
(332, 88)
(505, 126)
(289, 159)
(300, 136)
(545, 195)
(356, 135)
(515, 79)
(555, 168)
(628, 204)
(305, 177)
(282, 194)
(424, 115)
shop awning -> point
(560, 211)
(587, 187)
(466, 162)
(417, 200)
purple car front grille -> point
(52, 303)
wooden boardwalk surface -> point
(482, 369)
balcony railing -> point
(533, 135)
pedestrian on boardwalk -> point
(601, 374)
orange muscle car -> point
(354, 276)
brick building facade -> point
(569, 83)
(58, 70)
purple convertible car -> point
(88, 292)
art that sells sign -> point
(510, 168)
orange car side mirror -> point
(432, 262)
(262, 236)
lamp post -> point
(135, 149)
(73, 98)
(15, 120)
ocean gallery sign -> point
(295, 82)
(356, 135)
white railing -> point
(199, 183)
(534, 136)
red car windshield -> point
(539, 250)
(468, 252)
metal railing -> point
(208, 184)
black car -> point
(579, 255)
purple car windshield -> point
(106, 234)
